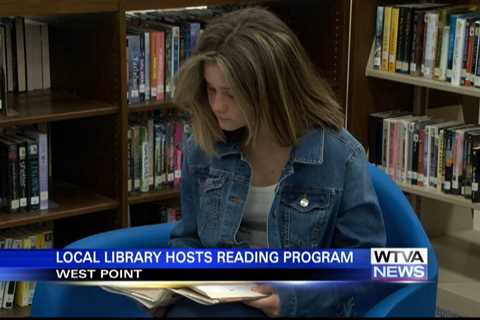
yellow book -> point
(22, 290)
(392, 59)
(387, 14)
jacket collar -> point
(308, 151)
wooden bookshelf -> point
(418, 81)
(16, 312)
(47, 106)
(68, 201)
(438, 195)
(86, 109)
(149, 106)
(41, 8)
(153, 196)
(458, 250)
(131, 5)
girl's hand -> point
(270, 304)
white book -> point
(444, 54)
(458, 51)
(431, 23)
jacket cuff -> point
(288, 301)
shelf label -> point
(446, 185)
(34, 200)
(475, 186)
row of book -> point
(20, 293)
(159, 214)
(155, 151)
(435, 41)
(157, 44)
(428, 152)
(24, 57)
(24, 170)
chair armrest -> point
(412, 300)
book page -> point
(240, 291)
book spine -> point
(447, 184)
(161, 66)
(475, 175)
(13, 197)
(476, 67)
(377, 57)
(393, 40)
(441, 160)
(130, 160)
(467, 72)
(431, 20)
(136, 159)
(400, 39)
(421, 151)
(151, 172)
(144, 160)
(141, 66)
(22, 176)
(43, 169)
(147, 64)
(451, 45)
(458, 52)
(444, 54)
(408, 38)
(386, 37)
(153, 65)
(33, 177)
(415, 148)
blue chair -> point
(402, 227)
(62, 300)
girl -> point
(269, 164)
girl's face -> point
(220, 98)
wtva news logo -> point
(399, 264)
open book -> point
(153, 295)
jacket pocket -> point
(305, 214)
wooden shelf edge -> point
(16, 312)
(153, 196)
(132, 5)
(150, 106)
(70, 203)
(26, 120)
(418, 81)
(438, 195)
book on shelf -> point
(433, 41)
(426, 151)
(157, 295)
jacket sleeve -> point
(184, 234)
(359, 224)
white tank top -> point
(253, 229)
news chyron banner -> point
(378, 264)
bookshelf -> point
(87, 113)
(456, 244)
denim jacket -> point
(324, 199)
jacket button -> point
(304, 202)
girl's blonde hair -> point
(272, 80)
